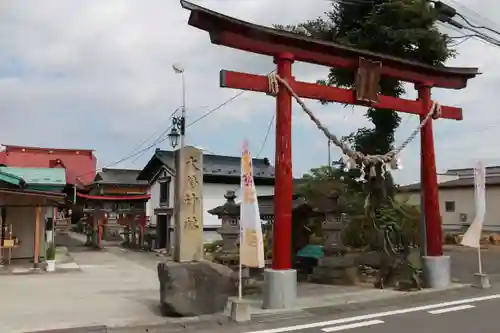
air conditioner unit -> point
(463, 217)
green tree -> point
(401, 28)
(323, 181)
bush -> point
(452, 239)
(212, 247)
(356, 233)
(359, 232)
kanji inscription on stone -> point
(191, 223)
(189, 210)
(190, 200)
(193, 181)
(192, 164)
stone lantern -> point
(229, 213)
(332, 228)
(335, 267)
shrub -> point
(213, 246)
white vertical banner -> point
(472, 237)
(251, 240)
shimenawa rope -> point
(353, 158)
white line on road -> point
(378, 315)
(354, 325)
(452, 309)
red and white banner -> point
(252, 243)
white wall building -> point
(456, 198)
(220, 174)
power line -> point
(157, 139)
(152, 134)
(164, 136)
(216, 108)
(473, 13)
(163, 133)
(477, 26)
(446, 13)
(267, 135)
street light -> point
(178, 68)
(177, 131)
(174, 137)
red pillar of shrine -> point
(433, 229)
(99, 234)
(282, 231)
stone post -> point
(230, 231)
(188, 231)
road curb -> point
(222, 322)
(425, 295)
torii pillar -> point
(280, 289)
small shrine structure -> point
(115, 202)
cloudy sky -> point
(97, 74)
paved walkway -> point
(109, 290)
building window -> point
(449, 206)
(165, 192)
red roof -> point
(80, 164)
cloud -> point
(97, 74)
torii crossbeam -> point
(286, 48)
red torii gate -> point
(286, 48)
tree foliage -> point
(401, 28)
(358, 233)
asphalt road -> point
(460, 315)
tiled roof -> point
(119, 177)
(213, 165)
(38, 176)
(221, 165)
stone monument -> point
(189, 285)
(188, 210)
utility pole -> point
(180, 70)
(329, 153)
(178, 132)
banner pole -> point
(479, 260)
(240, 268)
